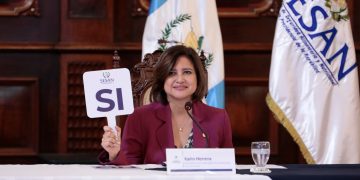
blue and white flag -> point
(314, 88)
(194, 23)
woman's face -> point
(181, 82)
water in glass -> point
(260, 152)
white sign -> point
(200, 161)
(108, 94)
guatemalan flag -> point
(314, 88)
(194, 23)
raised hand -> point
(111, 141)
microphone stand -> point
(188, 107)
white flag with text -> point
(313, 85)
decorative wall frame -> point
(230, 9)
(19, 8)
(22, 94)
(249, 8)
(87, 9)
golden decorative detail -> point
(17, 8)
(282, 119)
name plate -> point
(200, 161)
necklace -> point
(183, 127)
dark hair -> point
(166, 63)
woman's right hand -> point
(111, 141)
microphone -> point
(188, 107)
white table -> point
(90, 172)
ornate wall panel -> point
(249, 8)
(78, 132)
(19, 114)
(128, 29)
(87, 9)
(29, 105)
(250, 118)
(29, 31)
(246, 86)
(86, 21)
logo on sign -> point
(106, 79)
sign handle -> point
(111, 120)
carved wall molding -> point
(78, 133)
(19, 7)
(87, 9)
(19, 110)
(251, 8)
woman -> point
(179, 78)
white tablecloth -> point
(90, 172)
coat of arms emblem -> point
(191, 39)
(338, 9)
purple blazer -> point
(148, 132)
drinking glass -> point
(260, 152)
